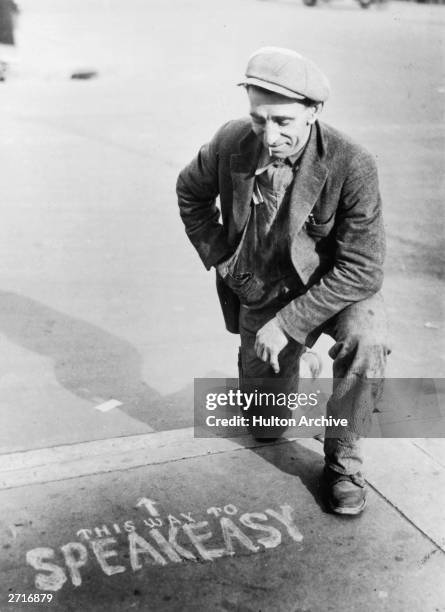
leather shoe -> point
(346, 492)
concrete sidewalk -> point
(102, 298)
(168, 522)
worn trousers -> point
(359, 360)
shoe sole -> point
(349, 511)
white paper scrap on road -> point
(106, 406)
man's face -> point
(282, 124)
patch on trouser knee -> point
(355, 356)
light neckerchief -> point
(267, 161)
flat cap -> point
(288, 73)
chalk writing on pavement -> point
(157, 539)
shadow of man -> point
(283, 453)
(96, 365)
(90, 362)
(291, 457)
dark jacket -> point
(336, 236)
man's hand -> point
(270, 341)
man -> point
(299, 250)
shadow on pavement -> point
(89, 362)
(92, 363)
(96, 366)
(292, 458)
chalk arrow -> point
(149, 505)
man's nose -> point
(271, 134)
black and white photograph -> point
(222, 295)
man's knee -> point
(361, 334)
(362, 353)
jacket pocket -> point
(246, 286)
(317, 229)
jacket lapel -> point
(242, 170)
(309, 181)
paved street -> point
(107, 315)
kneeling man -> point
(298, 247)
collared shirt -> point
(263, 267)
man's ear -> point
(315, 111)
